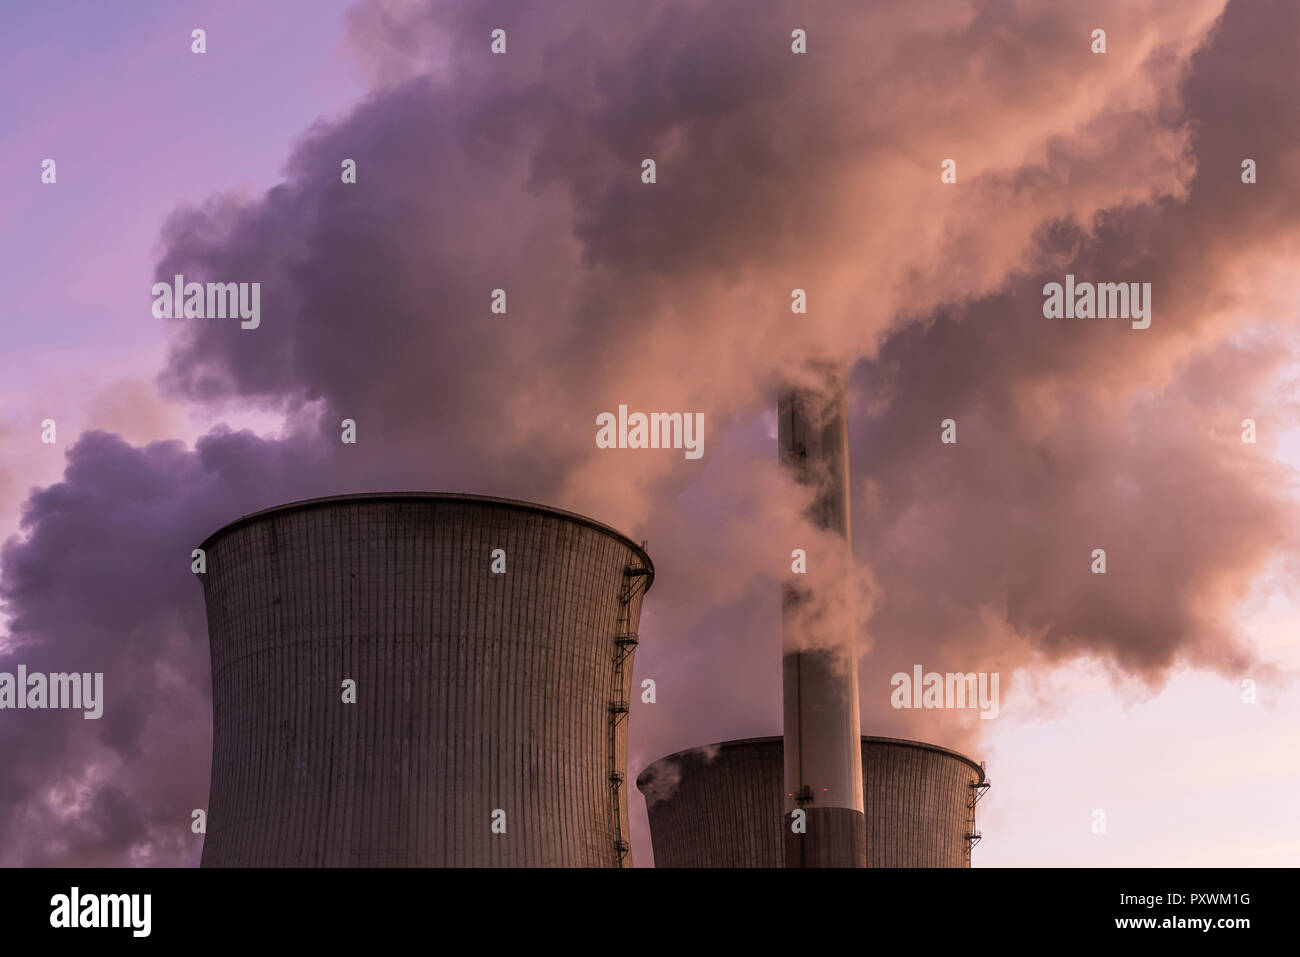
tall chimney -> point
(823, 753)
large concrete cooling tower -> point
(722, 805)
(489, 724)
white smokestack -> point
(823, 752)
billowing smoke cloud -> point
(775, 172)
(102, 583)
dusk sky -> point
(1120, 692)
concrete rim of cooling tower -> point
(454, 497)
(776, 738)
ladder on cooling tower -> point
(972, 836)
(635, 578)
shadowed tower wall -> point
(474, 691)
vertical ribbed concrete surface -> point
(723, 805)
(474, 691)
(718, 806)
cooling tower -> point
(823, 771)
(488, 726)
(723, 805)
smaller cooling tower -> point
(723, 805)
